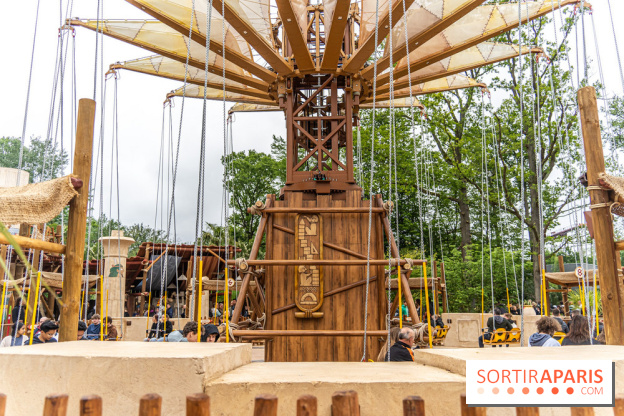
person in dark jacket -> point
(210, 333)
(93, 331)
(46, 334)
(494, 323)
(579, 332)
(557, 317)
(402, 349)
(82, 327)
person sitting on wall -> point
(82, 327)
(546, 327)
(46, 333)
(493, 323)
(579, 332)
(210, 333)
(556, 314)
(188, 334)
(402, 349)
(111, 330)
(93, 331)
(18, 338)
(160, 327)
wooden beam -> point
(26, 242)
(268, 333)
(214, 69)
(216, 46)
(252, 37)
(612, 303)
(77, 222)
(321, 262)
(322, 210)
(295, 35)
(329, 293)
(251, 92)
(333, 41)
(325, 243)
(367, 46)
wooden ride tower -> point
(317, 228)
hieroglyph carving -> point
(309, 278)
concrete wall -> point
(134, 328)
(465, 328)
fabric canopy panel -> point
(570, 279)
(405, 102)
(35, 203)
(245, 108)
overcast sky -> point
(141, 101)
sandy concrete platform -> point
(454, 360)
(120, 372)
(381, 387)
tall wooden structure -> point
(313, 61)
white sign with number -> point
(579, 272)
(231, 282)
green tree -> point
(43, 159)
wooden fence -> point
(344, 403)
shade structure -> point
(253, 44)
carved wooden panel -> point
(309, 278)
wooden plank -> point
(345, 403)
(327, 345)
(602, 220)
(307, 405)
(77, 223)
(26, 242)
(3, 399)
(413, 406)
(260, 44)
(618, 410)
(321, 262)
(278, 333)
(55, 405)
(33, 289)
(265, 405)
(333, 39)
(296, 345)
(90, 405)
(198, 405)
(297, 41)
(367, 46)
(150, 405)
(325, 243)
(527, 411)
(471, 411)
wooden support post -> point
(527, 411)
(307, 405)
(198, 405)
(55, 405)
(413, 406)
(613, 302)
(144, 278)
(345, 403)
(2, 404)
(582, 411)
(150, 405)
(77, 223)
(19, 267)
(90, 405)
(471, 411)
(434, 288)
(265, 405)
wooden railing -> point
(344, 403)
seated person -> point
(509, 317)
(111, 330)
(93, 331)
(210, 333)
(546, 327)
(17, 338)
(556, 314)
(493, 323)
(160, 328)
(579, 332)
(188, 334)
(402, 349)
(82, 327)
(47, 330)
(435, 321)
